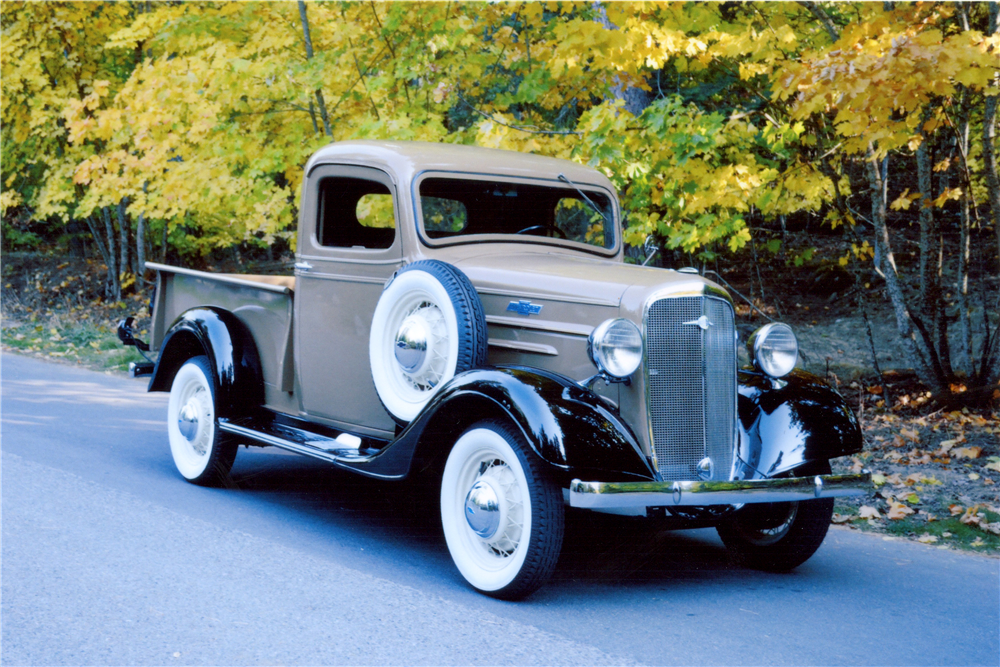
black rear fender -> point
(231, 351)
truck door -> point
(348, 248)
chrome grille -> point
(691, 385)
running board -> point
(342, 449)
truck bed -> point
(263, 303)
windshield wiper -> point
(565, 179)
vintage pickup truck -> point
(468, 313)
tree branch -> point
(519, 128)
(822, 17)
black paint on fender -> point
(795, 420)
(567, 426)
(231, 352)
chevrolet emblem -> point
(702, 322)
(523, 308)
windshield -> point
(455, 208)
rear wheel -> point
(502, 517)
(203, 455)
(777, 536)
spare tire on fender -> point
(428, 326)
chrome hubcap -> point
(411, 344)
(187, 420)
(420, 347)
(482, 510)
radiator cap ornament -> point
(702, 322)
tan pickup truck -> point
(468, 313)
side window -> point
(355, 213)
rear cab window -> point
(355, 213)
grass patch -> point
(944, 530)
(63, 337)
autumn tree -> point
(185, 126)
(911, 80)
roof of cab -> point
(407, 159)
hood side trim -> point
(542, 325)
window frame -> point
(429, 242)
(310, 245)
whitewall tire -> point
(427, 327)
(502, 517)
(203, 455)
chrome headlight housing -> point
(615, 347)
(773, 349)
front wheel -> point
(776, 537)
(203, 455)
(502, 517)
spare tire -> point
(428, 326)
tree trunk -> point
(636, 99)
(931, 305)
(320, 102)
(963, 351)
(140, 247)
(114, 290)
(123, 245)
(98, 241)
(990, 147)
(140, 242)
(913, 337)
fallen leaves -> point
(946, 445)
(867, 512)
(898, 510)
(968, 452)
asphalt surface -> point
(109, 557)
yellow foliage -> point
(203, 115)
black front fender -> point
(231, 351)
(567, 426)
(795, 420)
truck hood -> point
(576, 291)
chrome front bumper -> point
(634, 495)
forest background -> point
(177, 131)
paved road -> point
(108, 557)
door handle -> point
(303, 266)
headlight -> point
(615, 347)
(773, 349)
